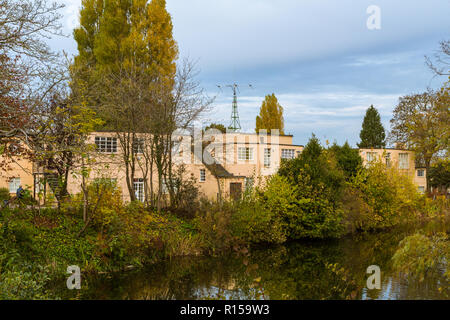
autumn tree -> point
(127, 59)
(439, 175)
(372, 134)
(420, 122)
(270, 115)
(28, 68)
(61, 141)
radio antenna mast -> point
(235, 124)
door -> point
(235, 190)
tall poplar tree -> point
(270, 115)
(372, 134)
(127, 59)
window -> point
(245, 153)
(14, 184)
(202, 175)
(403, 162)
(267, 153)
(248, 183)
(420, 173)
(371, 156)
(110, 182)
(287, 153)
(421, 189)
(106, 144)
(138, 186)
(388, 160)
(138, 145)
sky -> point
(319, 57)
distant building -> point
(403, 160)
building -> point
(403, 160)
(16, 172)
(222, 164)
(237, 161)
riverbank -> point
(295, 270)
(36, 248)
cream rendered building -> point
(226, 162)
(230, 162)
(16, 172)
(403, 160)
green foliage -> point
(217, 126)
(419, 255)
(386, 196)
(439, 175)
(319, 167)
(214, 222)
(270, 115)
(372, 134)
(4, 195)
(349, 160)
(319, 183)
(260, 216)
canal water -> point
(298, 270)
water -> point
(296, 270)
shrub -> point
(214, 223)
(260, 216)
(4, 195)
(390, 196)
(316, 216)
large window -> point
(287, 153)
(267, 153)
(14, 184)
(403, 161)
(202, 175)
(245, 153)
(106, 144)
(139, 189)
(138, 145)
(420, 173)
(371, 156)
(388, 160)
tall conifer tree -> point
(372, 134)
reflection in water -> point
(306, 270)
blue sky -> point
(318, 56)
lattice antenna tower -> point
(235, 124)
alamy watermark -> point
(74, 281)
(374, 20)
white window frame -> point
(403, 161)
(138, 187)
(245, 153)
(106, 144)
(287, 153)
(14, 184)
(420, 173)
(371, 156)
(138, 145)
(202, 175)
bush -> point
(390, 197)
(4, 195)
(260, 216)
(214, 223)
